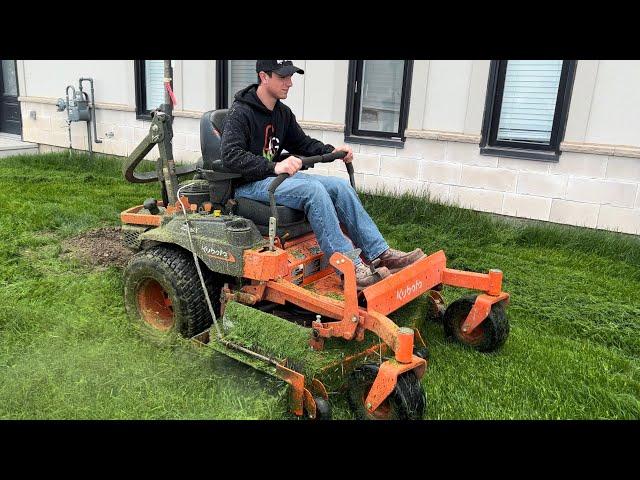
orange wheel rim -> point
(382, 412)
(473, 337)
(155, 306)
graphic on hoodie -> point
(271, 143)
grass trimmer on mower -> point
(249, 280)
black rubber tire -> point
(407, 401)
(486, 337)
(323, 409)
(175, 272)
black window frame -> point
(222, 83)
(142, 112)
(351, 133)
(489, 145)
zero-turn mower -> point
(249, 280)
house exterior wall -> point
(596, 182)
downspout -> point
(93, 112)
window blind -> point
(529, 100)
(241, 74)
(154, 73)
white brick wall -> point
(590, 190)
(431, 150)
(487, 178)
(439, 192)
(521, 166)
(415, 148)
(364, 163)
(574, 213)
(526, 206)
(193, 143)
(468, 153)
(623, 168)
(399, 167)
(621, 219)
(543, 185)
(376, 150)
(477, 199)
(580, 165)
(376, 183)
(414, 187)
(602, 191)
(441, 172)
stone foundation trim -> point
(329, 127)
(601, 149)
(444, 136)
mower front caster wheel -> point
(323, 409)
(486, 337)
(406, 402)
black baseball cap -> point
(283, 68)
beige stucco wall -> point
(596, 183)
(325, 91)
(49, 78)
(615, 111)
(198, 85)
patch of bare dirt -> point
(100, 247)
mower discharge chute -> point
(249, 280)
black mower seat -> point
(211, 128)
(290, 221)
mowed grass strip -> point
(67, 349)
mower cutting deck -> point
(275, 302)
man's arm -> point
(234, 149)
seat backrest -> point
(218, 117)
(211, 128)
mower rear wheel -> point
(486, 337)
(163, 292)
(406, 402)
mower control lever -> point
(326, 158)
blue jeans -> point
(327, 202)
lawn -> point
(68, 351)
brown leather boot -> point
(365, 277)
(396, 260)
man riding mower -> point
(286, 307)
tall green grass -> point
(67, 349)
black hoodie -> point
(254, 137)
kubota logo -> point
(410, 289)
(218, 253)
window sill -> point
(382, 142)
(545, 156)
(143, 116)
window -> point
(378, 101)
(233, 76)
(526, 108)
(149, 86)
